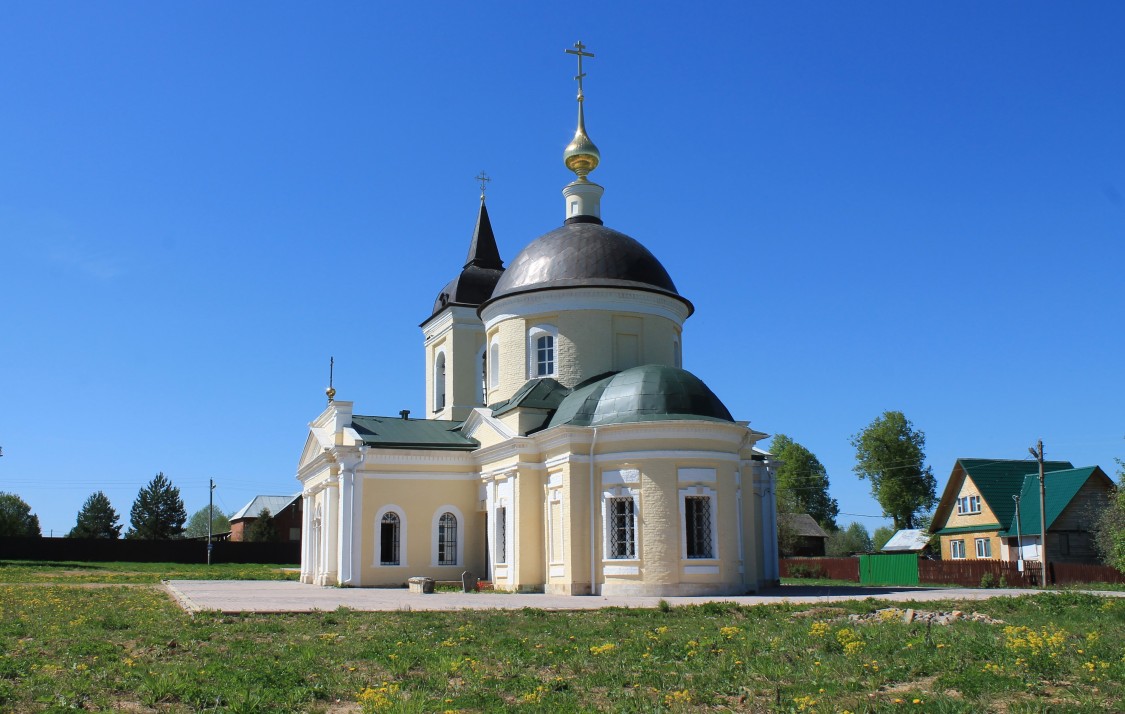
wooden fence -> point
(966, 573)
(147, 551)
(832, 568)
(1070, 573)
(974, 573)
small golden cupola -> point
(583, 197)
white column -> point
(331, 531)
(344, 542)
(306, 538)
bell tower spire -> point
(583, 197)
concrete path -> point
(232, 596)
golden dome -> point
(581, 155)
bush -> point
(806, 571)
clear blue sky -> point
(873, 206)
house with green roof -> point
(1072, 495)
(976, 517)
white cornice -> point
(567, 299)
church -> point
(566, 449)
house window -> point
(439, 382)
(390, 528)
(501, 535)
(697, 523)
(541, 350)
(984, 547)
(968, 505)
(957, 549)
(621, 522)
(447, 539)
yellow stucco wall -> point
(970, 545)
(419, 501)
(587, 345)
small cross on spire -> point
(331, 391)
(579, 51)
(483, 178)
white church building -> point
(567, 450)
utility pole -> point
(210, 517)
(1019, 538)
(1037, 452)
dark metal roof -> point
(481, 272)
(585, 254)
(539, 393)
(647, 393)
(399, 433)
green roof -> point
(1062, 487)
(1000, 479)
(969, 529)
(540, 393)
(399, 433)
(647, 393)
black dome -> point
(482, 269)
(582, 254)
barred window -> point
(697, 514)
(389, 539)
(501, 535)
(622, 524)
(447, 539)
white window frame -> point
(441, 367)
(984, 548)
(968, 505)
(402, 550)
(533, 336)
(610, 495)
(458, 544)
(957, 549)
(712, 501)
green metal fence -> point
(888, 569)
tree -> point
(97, 519)
(263, 529)
(1109, 525)
(853, 539)
(881, 536)
(197, 524)
(158, 513)
(802, 483)
(16, 518)
(891, 454)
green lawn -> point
(19, 571)
(70, 646)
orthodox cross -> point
(483, 178)
(580, 53)
(331, 391)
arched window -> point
(439, 382)
(390, 528)
(447, 539)
(494, 363)
(678, 356)
(482, 371)
(541, 351)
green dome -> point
(650, 392)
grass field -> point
(68, 645)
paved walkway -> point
(232, 596)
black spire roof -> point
(481, 272)
(483, 252)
